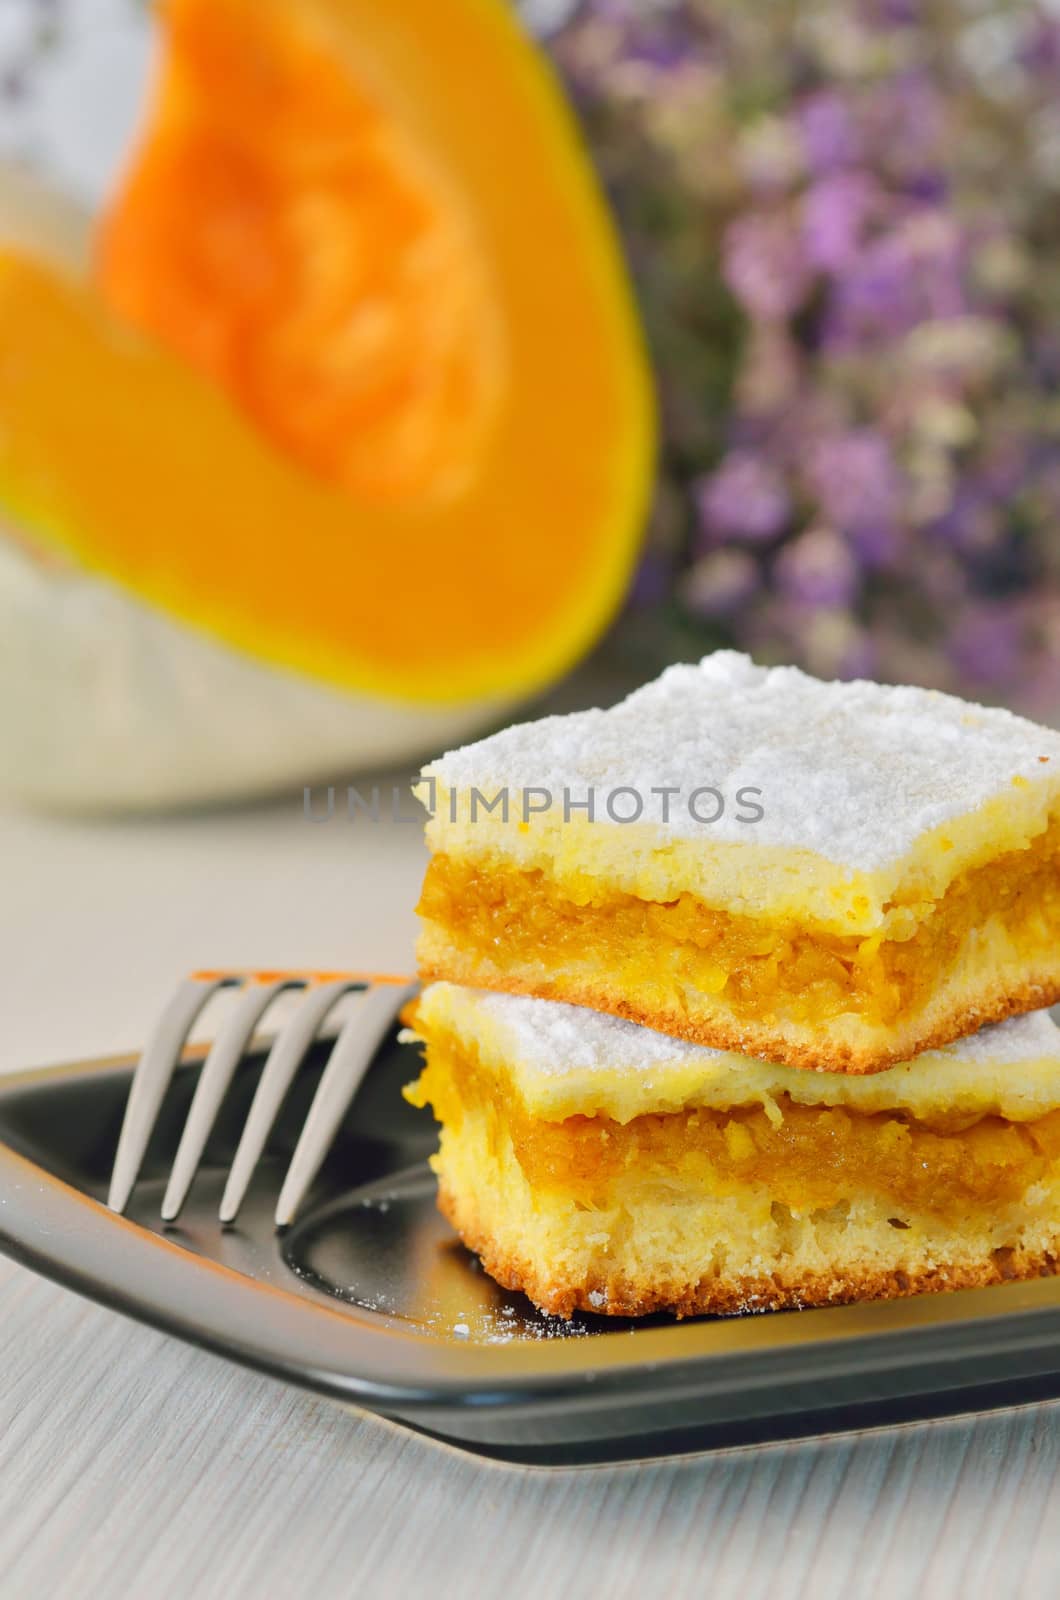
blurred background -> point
(844, 225)
(841, 219)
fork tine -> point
(284, 1059)
(351, 1056)
(153, 1073)
(217, 1073)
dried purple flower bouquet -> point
(844, 221)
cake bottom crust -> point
(736, 1293)
(954, 1012)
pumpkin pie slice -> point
(831, 875)
(600, 1166)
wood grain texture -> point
(132, 1465)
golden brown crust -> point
(760, 1039)
(734, 1294)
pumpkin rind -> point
(107, 704)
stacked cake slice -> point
(710, 974)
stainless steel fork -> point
(381, 998)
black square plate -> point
(370, 1300)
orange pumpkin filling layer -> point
(813, 1158)
(512, 920)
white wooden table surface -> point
(133, 1465)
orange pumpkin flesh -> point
(386, 418)
(283, 234)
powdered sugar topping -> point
(855, 772)
(556, 1039)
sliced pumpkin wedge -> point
(358, 386)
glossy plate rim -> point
(371, 1360)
